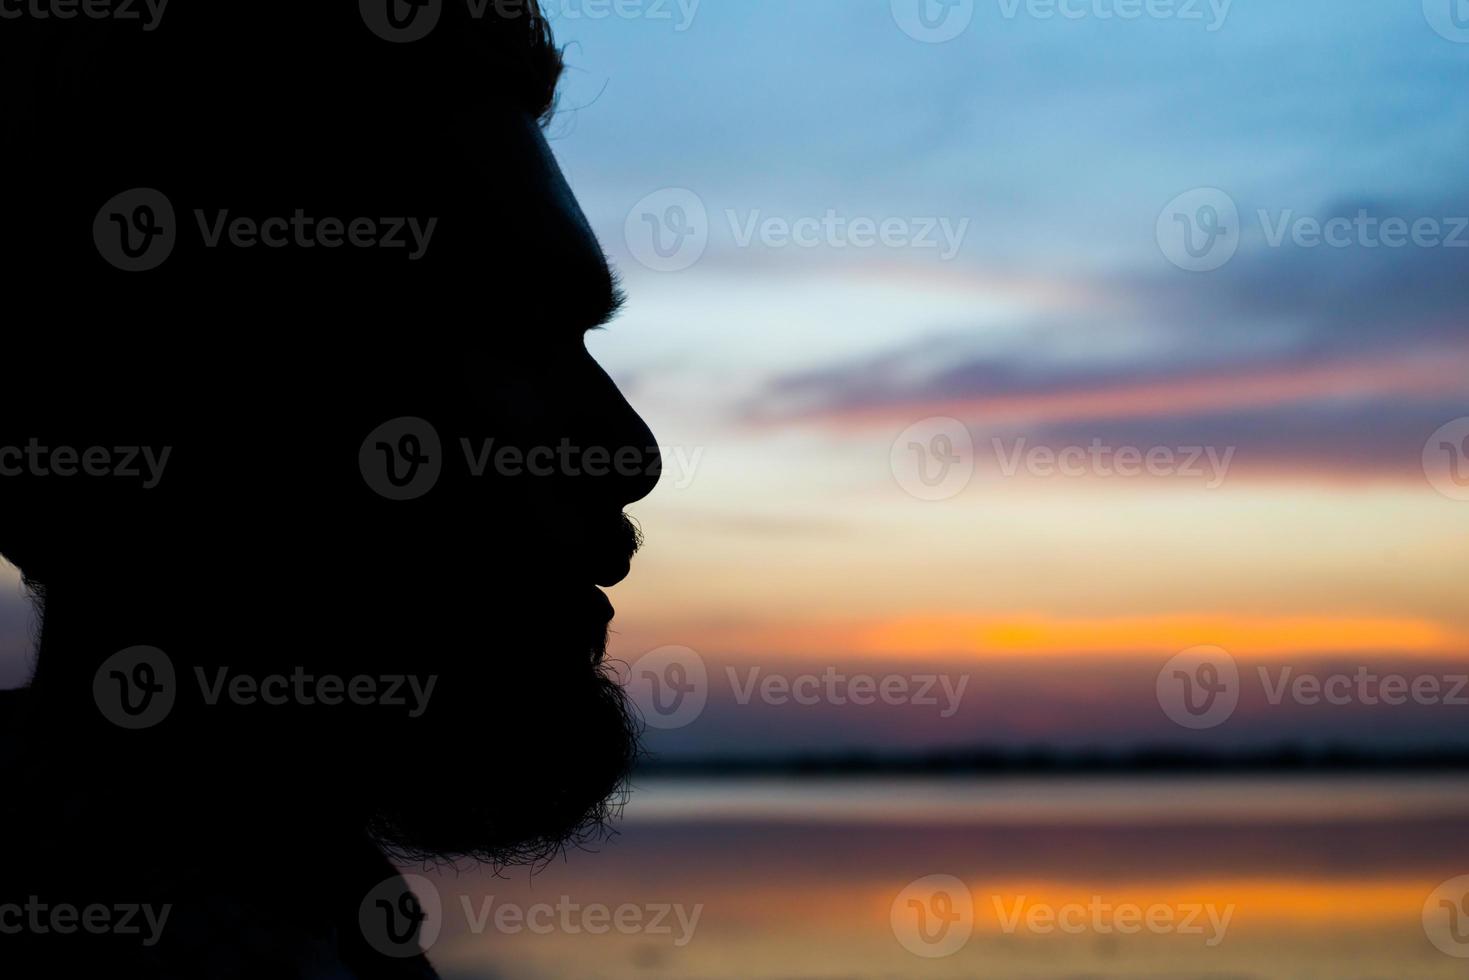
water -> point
(1228, 877)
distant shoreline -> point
(1042, 763)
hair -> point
(502, 48)
(237, 89)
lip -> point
(604, 549)
(609, 560)
(610, 571)
(603, 603)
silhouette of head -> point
(304, 407)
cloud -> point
(985, 637)
(1309, 357)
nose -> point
(636, 461)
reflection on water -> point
(1062, 800)
(1255, 877)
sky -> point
(1030, 358)
(1307, 537)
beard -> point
(524, 748)
(512, 765)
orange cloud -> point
(1042, 635)
(1260, 904)
(1269, 903)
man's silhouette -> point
(305, 460)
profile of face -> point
(275, 457)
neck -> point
(198, 771)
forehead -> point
(357, 130)
(516, 252)
(507, 249)
(537, 224)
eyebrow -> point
(611, 298)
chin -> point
(537, 763)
